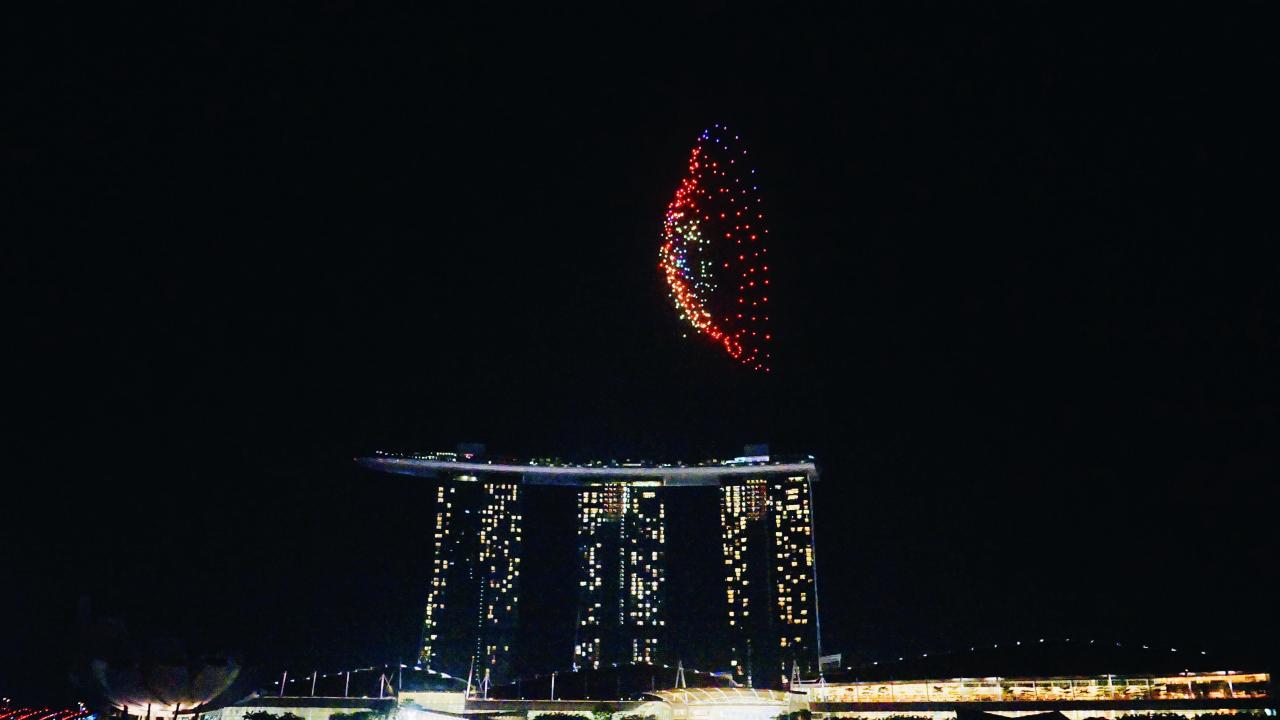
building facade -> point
(472, 610)
(770, 578)
(473, 599)
(621, 574)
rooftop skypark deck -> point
(553, 472)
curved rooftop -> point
(721, 696)
(552, 472)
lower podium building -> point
(1221, 695)
(473, 598)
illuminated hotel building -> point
(621, 573)
(770, 583)
(766, 520)
(473, 600)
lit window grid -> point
(741, 504)
(784, 500)
(644, 556)
(441, 541)
(597, 507)
(793, 580)
(499, 562)
(634, 518)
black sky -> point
(1026, 306)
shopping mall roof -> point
(1046, 657)
(720, 696)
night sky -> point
(1025, 309)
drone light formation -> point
(714, 256)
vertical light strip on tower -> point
(645, 556)
(741, 505)
(499, 574)
(598, 507)
(440, 557)
(793, 580)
